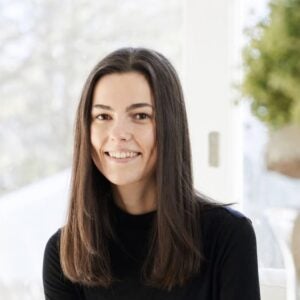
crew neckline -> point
(127, 219)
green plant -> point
(271, 62)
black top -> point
(231, 272)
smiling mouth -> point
(138, 153)
(122, 159)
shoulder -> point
(51, 260)
(216, 216)
(230, 252)
(237, 224)
(221, 216)
(53, 242)
(225, 226)
(56, 285)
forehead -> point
(122, 88)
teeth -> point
(122, 154)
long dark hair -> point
(175, 252)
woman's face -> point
(123, 128)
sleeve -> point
(239, 277)
(56, 286)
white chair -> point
(285, 224)
(272, 284)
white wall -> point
(210, 59)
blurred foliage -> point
(272, 65)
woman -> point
(136, 227)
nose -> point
(120, 130)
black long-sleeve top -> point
(231, 272)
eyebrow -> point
(130, 107)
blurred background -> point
(48, 48)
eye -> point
(143, 116)
(102, 117)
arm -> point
(239, 268)
(56, 286)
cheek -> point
(95, 143)
(152, 139)
(148, 137)
(149, 141)
(95, 138)
(95, 154)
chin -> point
(122, 181)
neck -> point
(136, 198)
